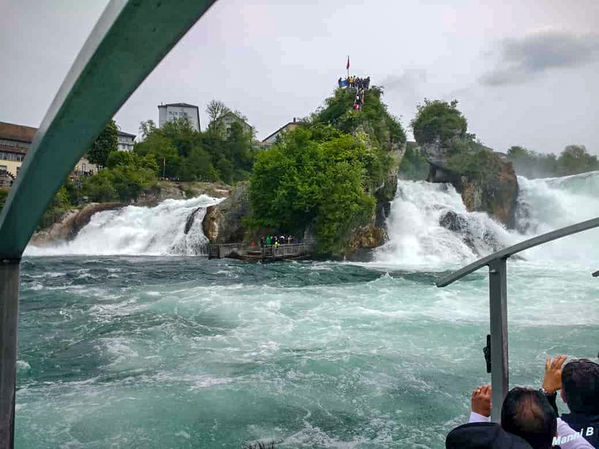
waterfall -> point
(173, 227)
(429, 225)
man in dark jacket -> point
(579, 382)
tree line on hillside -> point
(574, 159)
(224, 152)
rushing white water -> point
(418, 237)
(154, 352)
(136, 230)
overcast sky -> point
(524, 73)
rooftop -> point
(294, 122)
(20, 133)
(181, 105)
(124, 134)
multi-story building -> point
(15, 140)
(125, 141)
(174, 111)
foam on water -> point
(180, 352)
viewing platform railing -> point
(256, 252)
(498, 303)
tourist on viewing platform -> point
(579, 384)
(526, 413)
(268, 240)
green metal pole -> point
(9, 312)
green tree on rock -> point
(302, 183)
(105, 143)
(438, 121)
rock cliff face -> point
(223, 222)
(72, 222)
(494, 192)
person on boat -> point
(579, 384)
(528, 414)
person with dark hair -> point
(579, 384)
(528, 414)
(479, 433)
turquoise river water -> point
(148, 348)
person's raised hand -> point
(481, 400)
(553, 373)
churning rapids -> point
(122, 347)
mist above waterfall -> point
(174, 227)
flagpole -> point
(347, 66)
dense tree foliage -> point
(218, 154)
(105, 143)
(302, 181)
(573, 159)
(126, 176)
(438, 121)
(322, 175)
(373, 119)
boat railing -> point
(497, 263)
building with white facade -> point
(174, 111)
(229, 118)
(15, 140)
(279, 132)
(125, 141)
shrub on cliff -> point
(308, 180)
(438, 121)
(373, 119)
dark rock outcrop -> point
(223, 222)
(367, 237)
(479, 243)
(494, 189)
(71, 223)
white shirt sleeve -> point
(568, 438)
(476, 417)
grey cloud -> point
(408, 80)
(527, 57)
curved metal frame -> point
(498, 302)
(127, 43)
